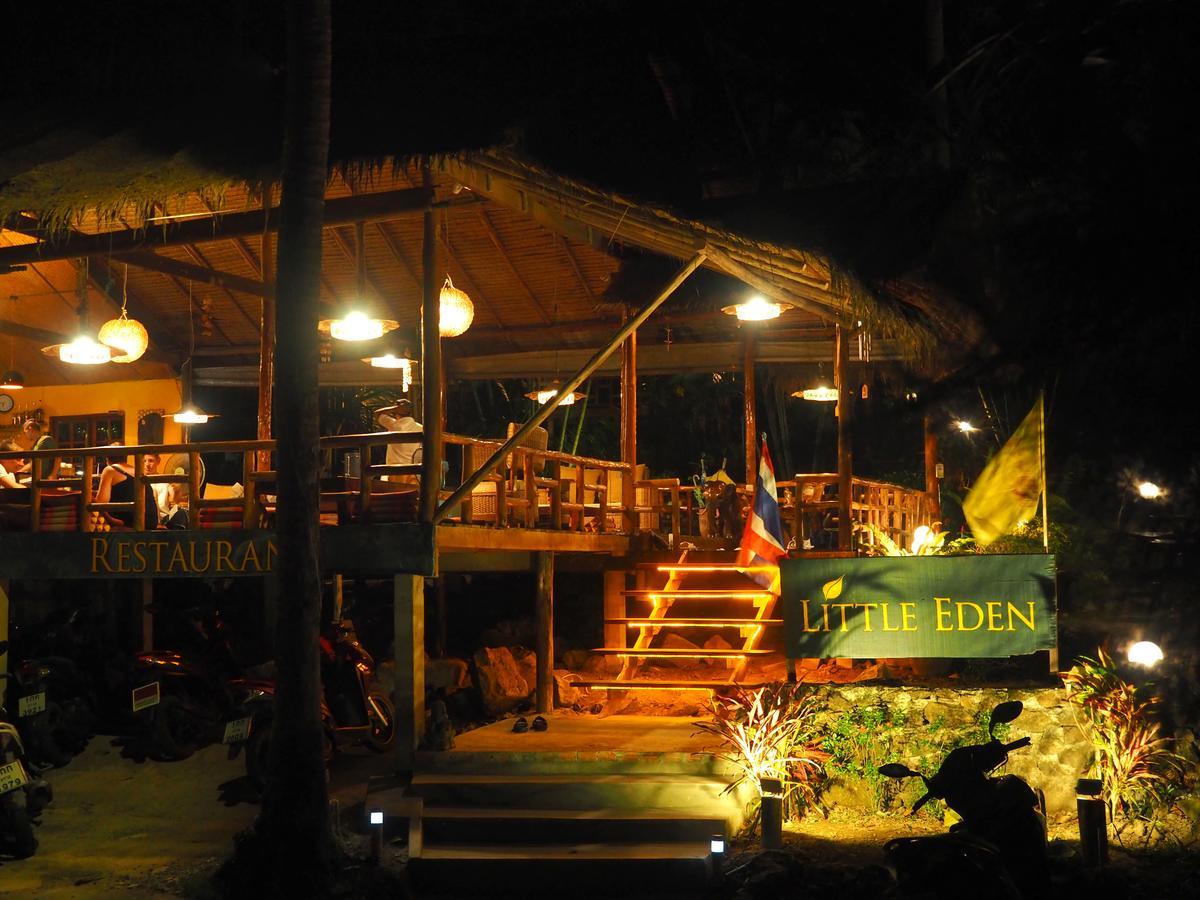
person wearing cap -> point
(399, 418)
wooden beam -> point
(204, 274)
(431, 363)
(340, 211)
(572, 383)
(566, 249)
(629, 413)
(266, 348)
(933, 494)
(841, 364)
(544, 689)
(483, 538)
(197, 255)
(30, 333)
(748, 406)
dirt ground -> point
(140, 829)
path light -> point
(772, 813)
(1145, 653)
(375, 819)
(716, 852)
(756, 308)
(1148, 490)
(922, 535)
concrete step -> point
(697, 794)
(477, 825)
(569, 870)
(582, 762)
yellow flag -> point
(1009, 489)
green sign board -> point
(919, 606)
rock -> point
(1075, 758)
(565, 692)
(853, 793)
(1050, 699)
(877, 672)
(440, 735)
(527, 662)
(950, 713)
(716, 642)
(501, 685)
(448, 675)
(837, 702)
(1033, 721)
(575, 659)
(673, 641)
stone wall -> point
(1058, 756)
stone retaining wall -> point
(1058, 756)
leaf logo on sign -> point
(833, 589)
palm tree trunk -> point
(294, 826)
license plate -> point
(12, 777)
(145, 696)
(32, 704)
(237, 730)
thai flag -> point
(762, 541)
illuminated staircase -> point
(679, 604)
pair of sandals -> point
(522, 724)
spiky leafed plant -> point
(1136, 764)
(769, 733)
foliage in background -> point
(882, 545)
(769, 733)
(1136, 763)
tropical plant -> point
(878, 542)
(1136, 765)
(770, 733)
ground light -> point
(1148, 490)
(716, 852)
(1093, 829)
(965, 427)
(1145, 653)
(375, 820)
(772, 813)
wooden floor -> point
(483, 538)
(575, 733)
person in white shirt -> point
(400, 418)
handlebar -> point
(1018, 744)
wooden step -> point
(696, 594)
(676, 652)
(482, 825)
(661, 684)
(683, 622)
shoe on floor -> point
(521, 725)
(540, 723)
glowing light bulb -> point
(1145, 653)
(1148, 490)
(964, 426)
(356, 326)
(755, 309)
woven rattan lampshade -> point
(127, 337)
(456, 312)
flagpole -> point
(1045, 485)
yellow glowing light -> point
(356, 326)
(1145, 653)
(922, 535)
(190, 415)
(699, 654)
(548, 393)
(456, 312)
(83, 351)
(821, 394)
(709, 595)
(755, 309)
(126, 335)
(1148, 490)
(964, 426)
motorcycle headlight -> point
(44, 672)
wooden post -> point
(431, 364)
(933, 499)
(4, 637)
(629, 427)
(408, 694)
(266, 340)
(544, 565)
(139, 493)
(440, 617)
(749, 408)
(614, 608)
(144, 615)
(840, 375)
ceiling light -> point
(821, 394)
(548, 393)
(356, 326)
(1148, 490)
(756, 309)
(82, 351)
(456, 312)
(191, 414)
(964, 426)
(126, 335)
(12, 381)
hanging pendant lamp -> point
(189, 413)
(83, 350)
(12, 380)
(123, 334)
(456, 312)
(357, 324)
(756, 308)
(548, 393)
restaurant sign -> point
(171, 555)
(919, 606)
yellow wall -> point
(130, 397)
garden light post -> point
(772, 813)
(375, 819)
(1093, 828)
(716, 853)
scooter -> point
(39, 718)
(191, 699)
(998, 850)
(354, 710)
(23, 795)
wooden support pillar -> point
(145, 617)
(544, 567)
(266, 345)
(431, 364)
(749, 408)
(933, 494)
(841, 379)
(408, 694)
(439, 635)
(629, 426)
(4, 613)
(614, 608)
(270, 611)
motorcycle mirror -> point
(895, 770)
(1005, 712)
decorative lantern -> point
(756, 309)
(456, 312)
(125, 335)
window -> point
(95, 430)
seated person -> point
(10, 467)
(170, 513)
(35, 435)
(116, 486)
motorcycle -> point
(998, 849)
(39, 719)
(191, 699)
(23, 795)
(353, 709)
